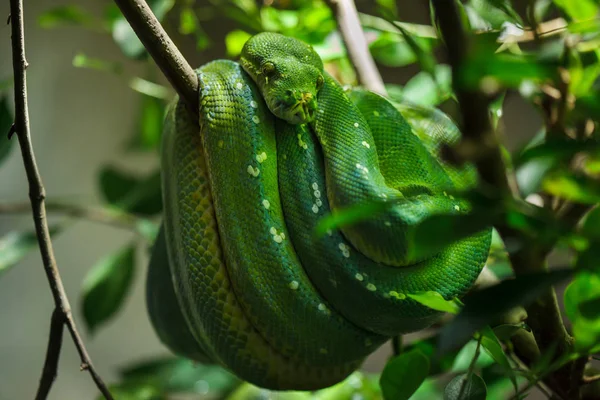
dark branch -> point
(37, 196)
(356, 45)
(163, 50)
(481, 146)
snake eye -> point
(320, 82)
(268, 68)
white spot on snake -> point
(356, 124)
(253, 104)
(273, 230)
(293, 285)
(322, 307)
(266, 204)
(317, 193)
(371, 287)
(277, 238)
(253, 171)
(321, 111)
(387, 223)
(399, 296)
(261, 157)
(345, 250)
(301, 142)
(239, 85)
(445, 194)
(362, 168)
(315, 186)
(367, 145)
(256, 119)
(451, 197)
(282, 235)
(456, 207)
(359, 277)
(329, 232)
(376, 113)
(315, 208)
(318, 202)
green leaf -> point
(465, 356)
(466, 387)
(234, 42)
(485, 306)
(150, 123)
(351, 215)
(151, 89)
(171, 375)
(423, 89)
(435, 301)
(392, 51)
(494, 13)
(64, 15)
(403, 375)
(582, 298)
(126, 38)
(16, 245)
(132, 193)
(556, 150)
(106, 286)
(6, 121)
(579, 9)
(492, 345)
(506, 331)
(567, 185)
(189, 25)
(82, 61)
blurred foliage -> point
(557, 72)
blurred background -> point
(93, 122)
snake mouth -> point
(300, 112)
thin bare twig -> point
(162, 49)
(356, 45)
(107, 216)
(37, 196)
(57, 326)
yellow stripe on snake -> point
(243, 280)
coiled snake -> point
(243, 280)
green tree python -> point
(238, 276)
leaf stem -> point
(37, 196)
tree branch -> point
(57, 325)
(107, 216)
(356, 45)
(162, 49)
(481, 145)
(37, 196)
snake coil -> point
(239, 278)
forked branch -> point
(62, 314)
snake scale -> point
(239, 278)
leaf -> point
(466, 387)
(83, 61)
(495, 13)
(578, 188)
(492, 345)
(351, 215)
(581, 299)
(6, 121)
(234, 42)
(151, 89)
(189, 25)
(172, 374)
(423, 89)
(150, 123)
(126, 38)
(403, 375)
(64, 15)
(487, 305)
(578, 9)
(465, 356)
(16, 245)
(506, 331)
(132, 193)
(106, 286)
(435, 301)
(556, 150)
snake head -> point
(288, 73)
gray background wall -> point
(80, 120)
